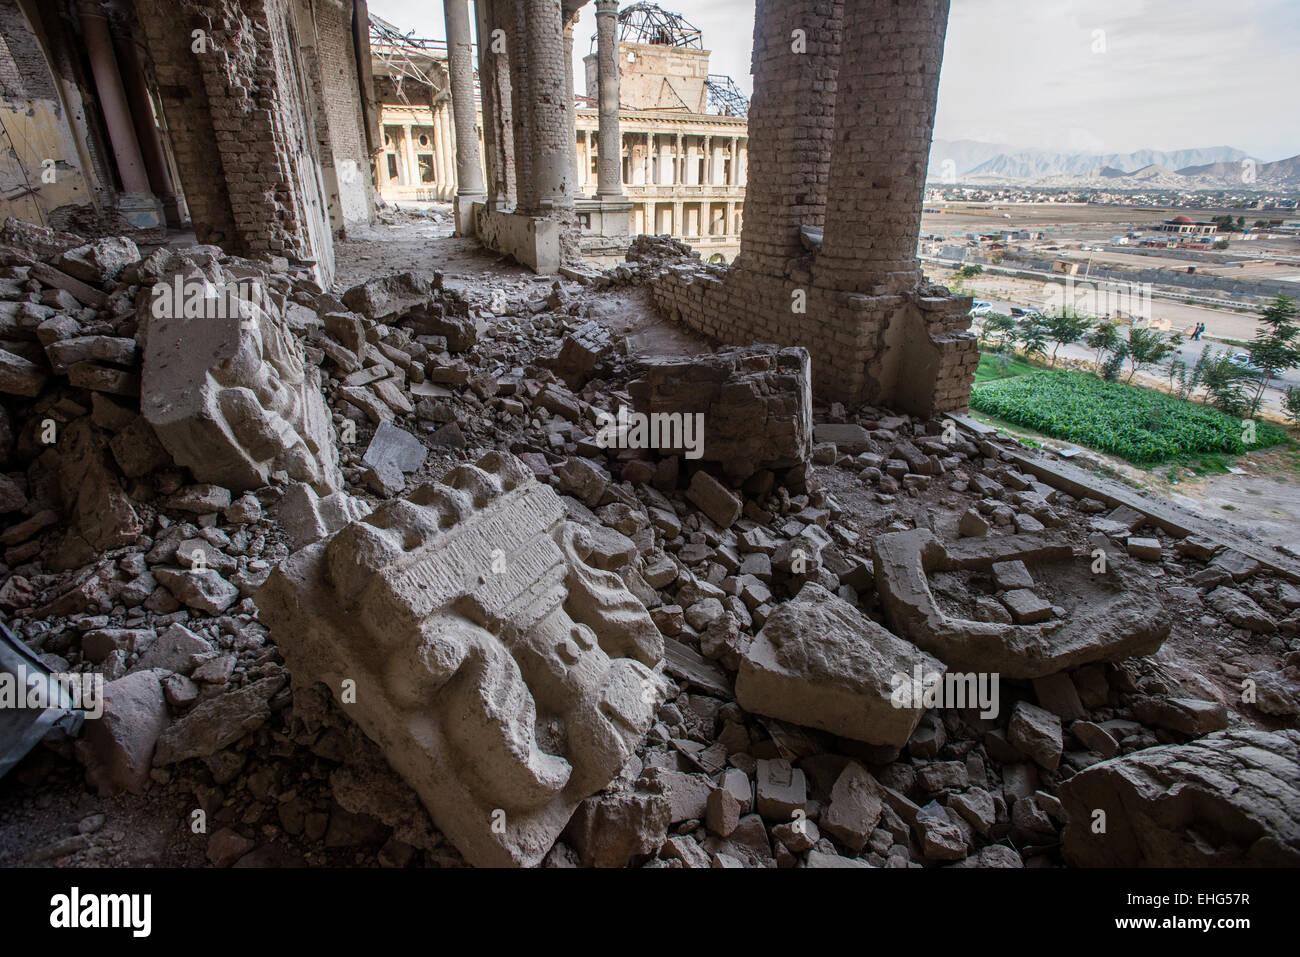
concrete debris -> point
(820, 662)
(232, 398)
(1107, 618)
(118, 748)
(217, 723)
(754, 406)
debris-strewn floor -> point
(117, 562)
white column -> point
(412, 167)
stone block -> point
(502, 676)
(233, 400)
(821, 663)
(1229, 799)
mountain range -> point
(1217, 167)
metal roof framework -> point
(402, 54)
(725, 96)
(651, 23)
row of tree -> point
(1234, 387)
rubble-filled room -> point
(383, 486)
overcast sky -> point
(1074, 75)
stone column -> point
(679, 164)
(678, 227)
(569, 101)
(734, 178)
(460, 71)
(446, 164)
(609, 173)
(146, 129)
(139, 204)
(708, 161)
(883, 126)
(731, 218)
(412, 164)
(791, 121)
(649, 159)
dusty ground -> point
(1260, 500)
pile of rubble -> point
(320, 623)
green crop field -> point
(1144, 427)
(993, 366)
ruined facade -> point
(413, 93)
(680, 163)
(679, 154)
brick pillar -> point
(791, 121)
(552, 127)
(460, 71)
(515, 24)
(609, 171)
(883, 125)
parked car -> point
(1243, 359)
(981, 308)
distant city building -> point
(683, 131)
(1186, 226)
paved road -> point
(1189, 352)
(1181, 315)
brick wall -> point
(166, 33)
(247, 148)
(340, 101)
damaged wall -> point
(44, 176)
(325, 28)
